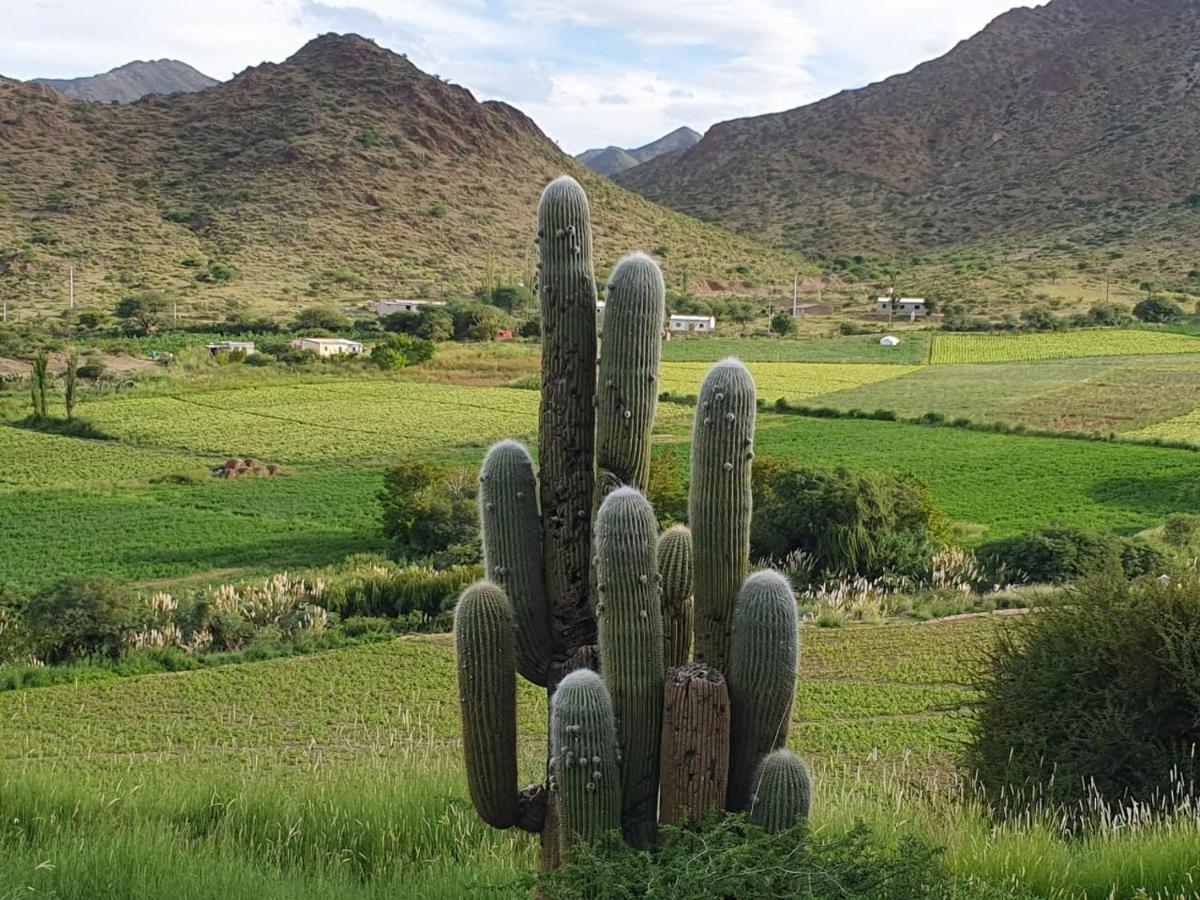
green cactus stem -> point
(675, 567)
(631, 650)
(487, 694)
(585, 771)
(720, 502)
(567, 418)
(627, 389)
(762, 676)
(782, 791)
(512, 550)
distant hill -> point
(127, 83)
(1079, 119)
(344, 172)
(611, 160)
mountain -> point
(611, 160)
(342, 173)
(1075, 122)
(127, 83)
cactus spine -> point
(782, 791)
(675, 567)
(487, 694)
(631, 650)
(584, 762)
(720, 502)
(761, 675)
(567, 418)
(695, 743)
(512, 550)
(627, 389)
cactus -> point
(585, 772)
(512, 550)
(761, 676)
(631, 650)
(487, 694)
(720, 502)
(782, 791)
(567, 418)
(627, 389)
(695, 744)
(675, 567)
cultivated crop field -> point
(792, 381)
(863, 348)
(984, 348)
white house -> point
(246, 347)
(682, 324)
(907, 307)
(387, 307)
(328, 346)
(890, 341)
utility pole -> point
(5, 312)
(795, 294)
(175, 308)
(72, 286)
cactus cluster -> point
(578, 579)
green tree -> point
(742, 314)
(79, 617)
(144, 313)
(71, 382)
(783, 324)
(1158, 310)
(401, 350)
(320, 318)
(436, 324)
(429, 514)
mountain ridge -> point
(132, 81)
(611, 160)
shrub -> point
(859, 523)
(320, 318)
(783, 324)
(79, 617)
(1180, 530)
(1158, 310)
(429, 514)
(1095, 701)
(735, 859)
(401, 350)
(1055, 554)
(411, 597)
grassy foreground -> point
(338, 776)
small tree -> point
(144, 313)
(79, 617)
(742, 314)
(320, 318)
(1158, 310)
(70, 383)
(429, 514)
(783, 324)
(37, 387)
(401, 350)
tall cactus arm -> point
(585, 760)
(782, 791)
(512, 550)
(631, 650)
(627, 387)
(761, 675)
(720, 502)
(487, 694)
(567, 418)
(675, 567)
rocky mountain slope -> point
(127, 83)
(343, 172)
(1077, 118)
(611, 160)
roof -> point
(680, 318)
(345, 342)
(910, 300)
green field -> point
(790, 380)
(863, 348)
(986, 348)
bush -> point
(401, 350)
(1055, 554)
(1095, 701)
(320, 318)
(858, 523)
(429, 514)
(411, 597)
(1181, 530)
(1158, 310)
(734, 859)
(783, 324)
(79, 617)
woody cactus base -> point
(578, 579)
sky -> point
(590, 73)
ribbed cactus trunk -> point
(567, 418)
(487, 694)
(631, 650)
(585, 780)
(761, 676)
(512, 550)
(695, 744)
(627, 388)
(782, 791)
(720, 502)
(675, 568)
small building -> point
(387, 307)
(699, 324)
(889, 341)
(811, 309)
(246, 347)
(504, 334)
(905, 307)
(329, 346)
